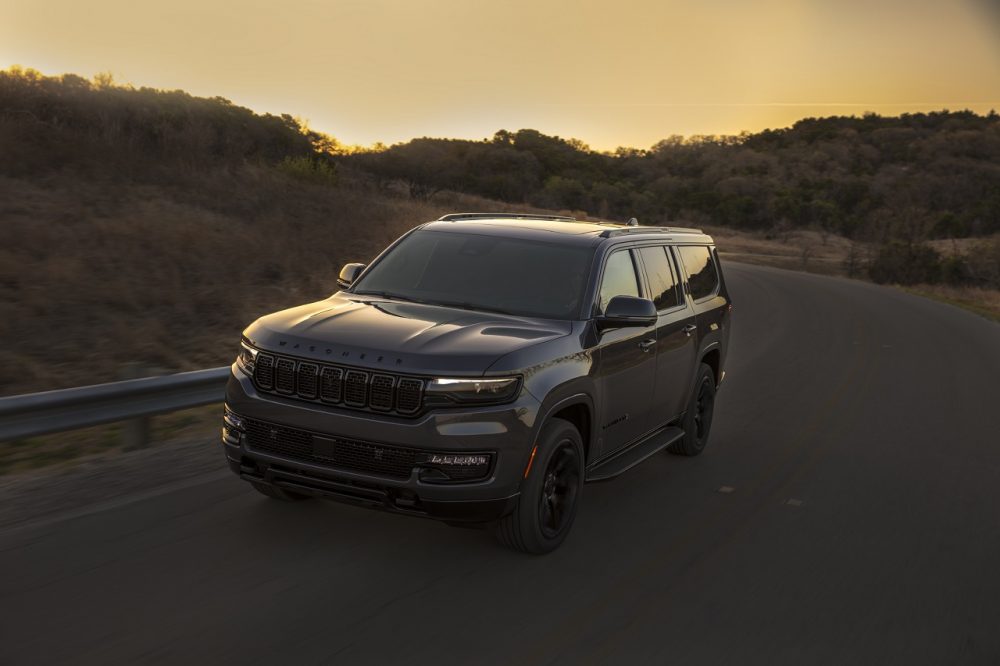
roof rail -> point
(452, 217)
(624, 231)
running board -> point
(635, 454)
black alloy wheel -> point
(697, 421)
(560, 487)
(550, 492)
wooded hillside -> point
(151, 226)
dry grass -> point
(984, 302)
(813, 252)
(69, 449)
(96, 275)
(802, 250)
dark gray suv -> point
(482, 368)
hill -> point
(891, 184)
(147, 226)
(150, 227)
(925, 175)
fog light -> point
(455, 467)
(465, 460)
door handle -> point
(646, 345)
(689, 329)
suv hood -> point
(397, 336)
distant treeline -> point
(913, 176)
(890, 183)
(53, 123)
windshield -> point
(508, 275)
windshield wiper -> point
(462, 305)
(386, 294)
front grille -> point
(336, 385)
(277, 439)
(343, 453)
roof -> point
(543, 227)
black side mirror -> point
(349, 273)
(624, 311)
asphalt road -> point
(859, 433)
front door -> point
(626, 362)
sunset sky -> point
(610, 73)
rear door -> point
(701, 265)
(626, 361)
(676, 341)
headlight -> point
(472, 391)
(247, 358)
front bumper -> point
(506, 431)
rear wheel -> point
(698, 418)
(277, 493)
(547, 505)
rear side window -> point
(703, 275)
(619, 278)
(661, 276)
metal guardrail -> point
(133, 400)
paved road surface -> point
(859, 432)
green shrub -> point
(906, 263)
(309, 169)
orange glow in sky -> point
(609, 73)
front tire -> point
(547, 505)
(697, 420)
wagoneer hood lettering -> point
(403, 337)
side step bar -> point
(635, 454)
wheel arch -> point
(578, 409)
(712, 357)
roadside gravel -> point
(108, 479)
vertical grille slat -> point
(381, 392)
(409, 395)
(284, 376)
(308, 385)
(358, 389)
(331, 386)
(264, 371)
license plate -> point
(324, 448)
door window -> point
(619, 279)
(661, 276)
(703, 277)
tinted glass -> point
(702, 274)
(661, 277)
(619, 278)
(478, 272)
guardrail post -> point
(135, 432)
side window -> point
(703, 277)
(661, 276)
(619, 278)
